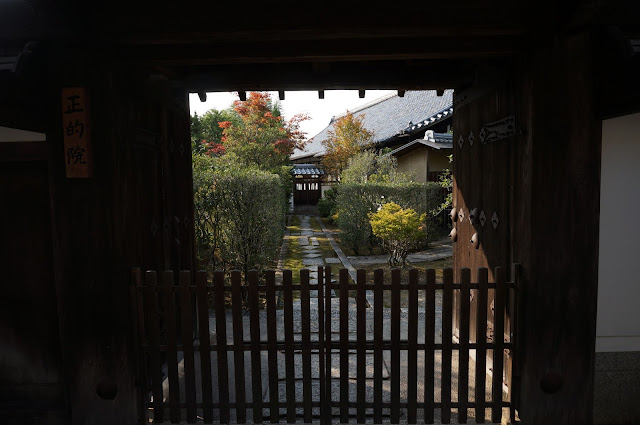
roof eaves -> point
(433, 119)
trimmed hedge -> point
(356, 200)
(240, 215)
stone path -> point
(311, 258)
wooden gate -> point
(320, 349)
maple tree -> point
(206, 134)
(261, 136)
(347, 138)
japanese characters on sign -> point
(77, 138)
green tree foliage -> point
(356, 200)
(206, 134)
(240, 214)
(348, 138)
(261, 137)
(399, 230)
(368, 166)
(446, 183)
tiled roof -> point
(431, 139)
(306, 169)
(389, 116)
(434, 119)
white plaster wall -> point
(618, 319)
(15, 135)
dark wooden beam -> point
(259, 51)
(342, 76)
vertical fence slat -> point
(151, 296)
(238, 349)
(305, 318)
(171, 337)
(514, 388)
(344, 346)
(272, 340)
(481, 344)
(288, 346)
(498, 341)
(412, 349)
(361, 336)
(204, 346)
(395, 346)
(429, 340)
(137, 314)
(463, 354)
(186, 319)
(327, 281)
(321, 351)
(378, 279)
(256, 357)
(447, 308)
(221, 344)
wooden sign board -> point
(77, 135)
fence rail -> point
(214, 349)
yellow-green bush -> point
(399, 230)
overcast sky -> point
(335, 102)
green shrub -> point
(327, 204)
(398, 229)
(324, 207)
(240, 214)
(356, 200)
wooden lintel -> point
(343, 76)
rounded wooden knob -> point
(453, 215)
(551, 383)
(473, 216)
(475, 240)
(107, 389)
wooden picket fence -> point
(211, 351)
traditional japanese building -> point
(544, 91)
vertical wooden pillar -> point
(135, 209)
(556, 238)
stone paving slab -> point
(314, 241)
(303, 240)
(332, 261)
(311, 254)
(313, 262)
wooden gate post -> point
(527, 160)
(558, 232)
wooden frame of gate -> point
(163, 307)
